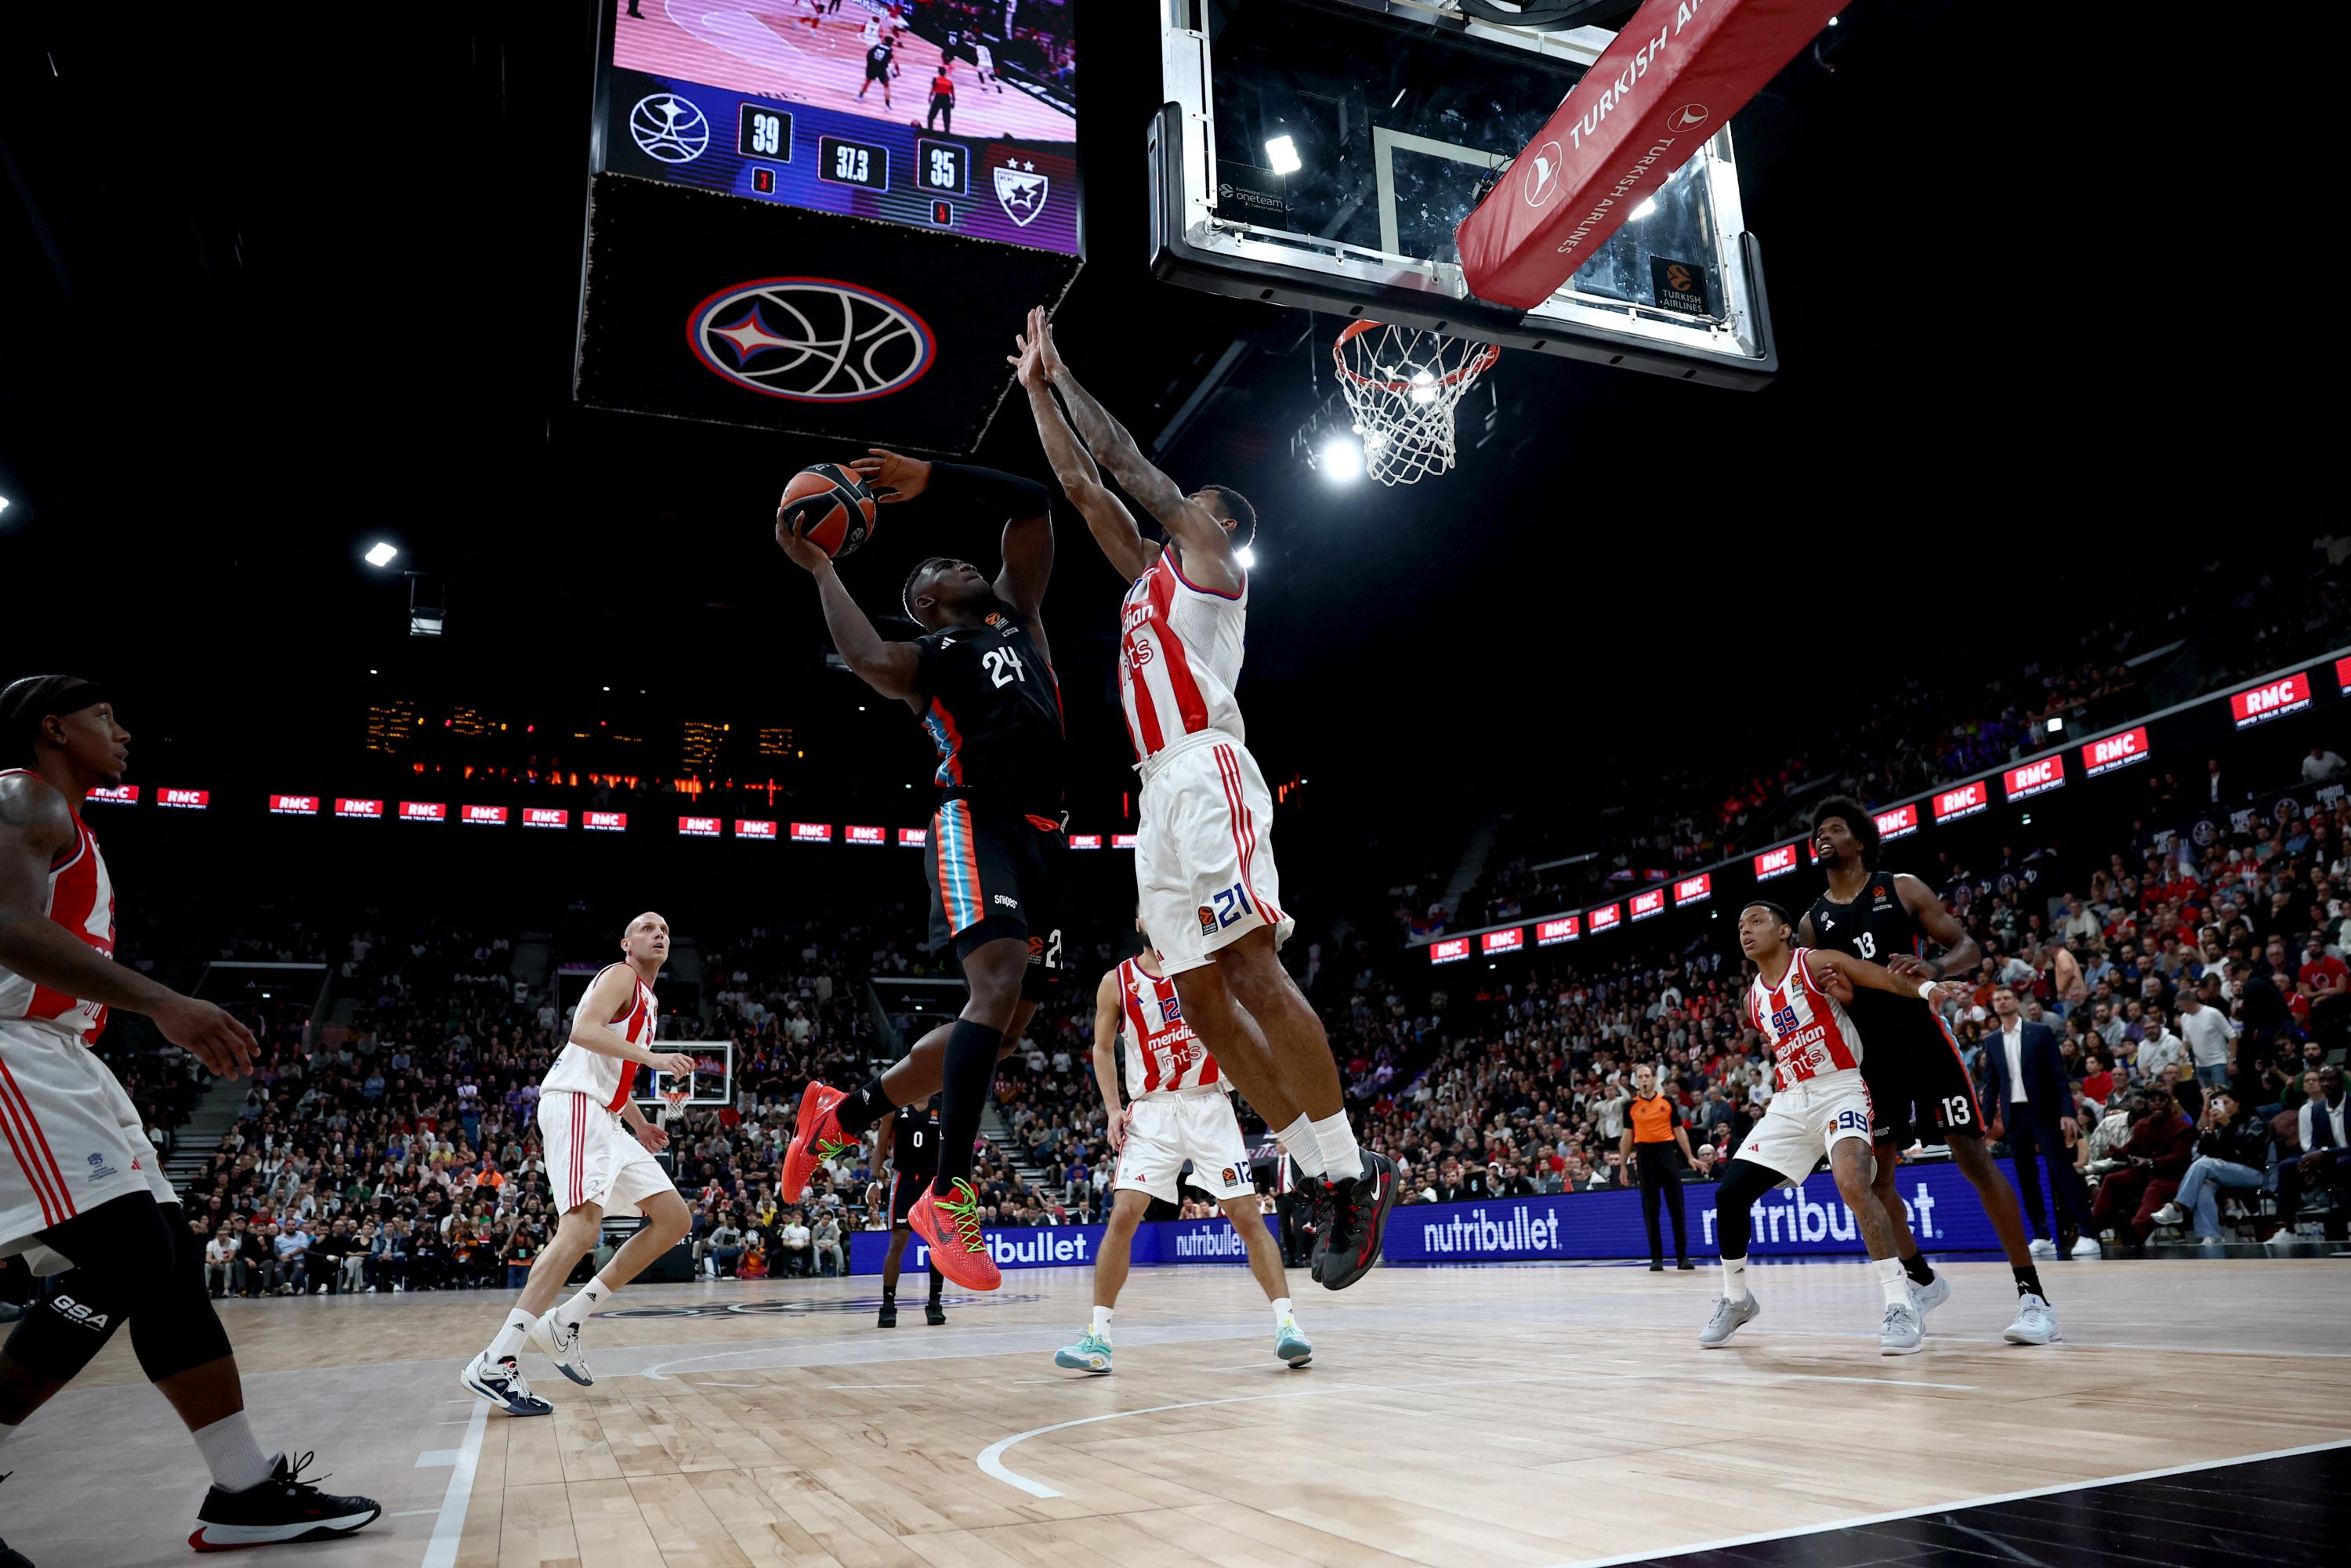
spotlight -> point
(1283, 152)
(381, 554)
(2057, 723)
(4, 503)
(1341, 460)
(1644, 210)
(1246, 556)
(1423, 386)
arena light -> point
(1644, 210)
(2057, 723)
(1246, 556)
(1341, 459)
(381, 554)
(4, 503)
(1283, 151)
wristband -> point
(1926, 990)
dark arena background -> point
(394, 405)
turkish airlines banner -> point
(1509, 941)
(2034, 777)
(120, 794)
(185, 800)
(1674, 75)
(2258, 705)
(1781, 861)
(2112, 751)
(1551, 933)
(1452, 950)
(1899, 823)
(293, 805)
(1964, 802)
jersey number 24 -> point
(1003, 666)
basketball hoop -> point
(674, 1099)
(1402, 388)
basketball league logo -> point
(669, 127)
(1021, 192)
(810, 339)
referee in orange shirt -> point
(1653, 1129)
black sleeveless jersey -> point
(1875, 926)
(914, 1143)
(994, 713)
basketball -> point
(835, 507)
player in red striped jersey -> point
(1204, 858)
(1179, 1109)
(107, 1240)
(1820, 1105)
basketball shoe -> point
(558, 1339)
(282, 1508)
(934, 1314)
(1346, 1249)
(889, 1318)
(952, 1229)
(1089, 1354)
(1728, 1317)
(816, 1138)
(503, 1385)
(1291, 1344)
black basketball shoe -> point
(283, 1508)
(889, 1318)
(934, 1314)
(1359, 1219)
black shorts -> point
(878, 73)
(996, 873)
(1917, 1082)
(905, 1189)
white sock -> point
(1102, 1323)
(1896, 1283)
(1734, 1279)
(1343, 1159)
(509, 1342)
(1281, 1313)
(1299, 1143)
(577, 1309)
(230, 1453)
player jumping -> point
(1179, 1108)
(981, 679)
(600, 1156)
(1916, 1079)
(83, 1198)
(1204, 854)
(1819, 1104)
(911, 1134)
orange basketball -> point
(833, 507)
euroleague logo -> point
(810, 339)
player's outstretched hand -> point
(1028, 361)
(222, 1044)
(891, 478)
(1040, 332)
(677, 1064)
(791, 537)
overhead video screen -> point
(954, 115)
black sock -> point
(889, 1295)
(2028, 1281)
(971, 1070)
(1916, 1266)
(937, 1280)
(866, 1104)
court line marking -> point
(1730, 1541)
(449, 1528)
(991, 1460)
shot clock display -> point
(910, 114)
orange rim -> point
(1476, 365)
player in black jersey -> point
(1916, 1079)
(911, 1134)
(877, 69)
(981, 678)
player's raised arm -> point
(1024, 503)
(1942, 928)
(1107, 519)
(1209, 557)
(889, 668)
(1839, 973)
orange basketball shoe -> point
(952, 1229)
(817, 1137)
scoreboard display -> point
(950, 117)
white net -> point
(1402, 387)
(674, 1099)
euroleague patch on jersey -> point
(1233, 1177)
(1207, 921)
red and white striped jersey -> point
(1162, 1055)
(609, 1079)
(1179, 658)
(81, 899)
(1809, 1029)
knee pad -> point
(178, 1329)
(120, 1252)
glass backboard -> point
(1321, 152)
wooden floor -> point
(1515, 1416)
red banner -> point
(2034, 777)
(2258, 705)
(120, 794)
(185, 800)
(856, 835)
(424, 812)
(2115, 751)
(811, 832)
(914, 838)
(604, 822)
(753, 828)
(1604, 918)
(1964, 802)
(1509, 941)
(1693, 889)
(1781, 861)
(293, 805)
(546, 817)
(698, 827)
(1674, 75)
(484, 816)
(1648, 903)
(1899, 823)
(1551, 933)
(1452, 950)
(1121, 841)
(350, 805)
(1085, 840)
(2343, 675)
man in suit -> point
(2324, 1165)
(2033, 1107)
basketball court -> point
(1533, 1414)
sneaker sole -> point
(1080, 1363)
(1370, 1255)
(1299, 1358)
(2014, 1338)
(1885, 1349)
(232, 1537)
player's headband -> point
(68, 699)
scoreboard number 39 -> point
(764, 133)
